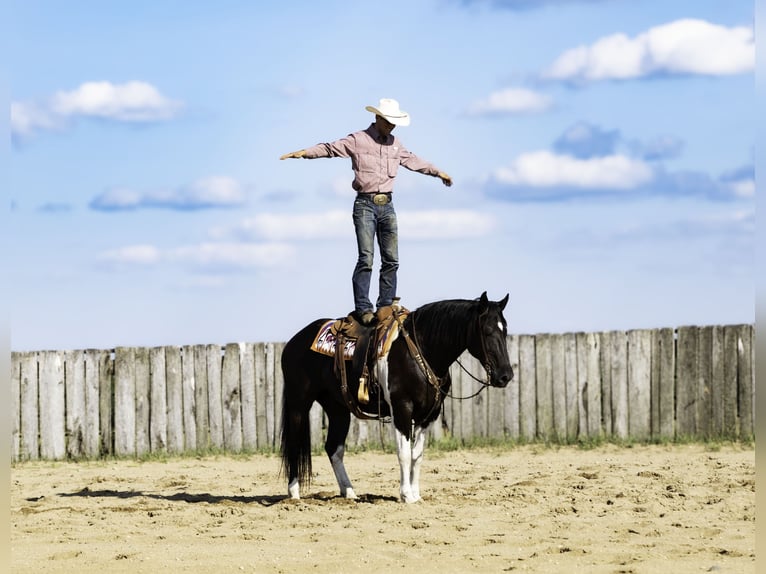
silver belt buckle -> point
(380, 199)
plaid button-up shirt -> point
(374, 159)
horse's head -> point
(488, 344)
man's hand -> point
(446, 180)
(294, 154)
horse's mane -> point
(444, 321)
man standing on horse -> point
(375, 157)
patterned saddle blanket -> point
(386, 331)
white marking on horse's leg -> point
(344, 482)
(404, 452)
(294, 489)
(418, 447)
(403, 446)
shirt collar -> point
(375, 134)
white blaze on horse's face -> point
(500, 326)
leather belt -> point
(377, 198)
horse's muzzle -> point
(501, 378)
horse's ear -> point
(503, 302)
(483, 300)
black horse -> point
(413, 379)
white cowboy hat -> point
(389, 109)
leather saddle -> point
(368, 343)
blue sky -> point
(602, 153)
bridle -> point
(484, 363)
(435, 381)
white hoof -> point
(294, 490)
(409, 498)
(350, 494)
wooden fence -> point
(663, 384)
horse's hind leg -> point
(337, 430)
(296, 447)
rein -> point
(484, 384)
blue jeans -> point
(371, 220)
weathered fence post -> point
(124, 401)
(174, 384)
(717, 385)
(687, 383)
(94, 359)
(188, 396)
(572, 383)
(158, 433)
(215, 406)
(618, 354)
(704, 409)
(201, 399)
(558, 386)
(74, 386)
(663, 384)
(589, 384)
(15, 408)
(745, 381)
(544, 379)
(279, 384)
(143, 401)
(261, 432)
(232, 414)
(106, 390)
(527, 388)
(511, 392)
(247, 387)
(640, 384)
(30, 412)
(605, 366)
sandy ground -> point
(655, 509)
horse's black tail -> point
(295, 428)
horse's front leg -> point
(404, 451)
(418, 446)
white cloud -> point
(290, 226)
(27, 118)
(545, 169)
(232, 255)
(444, 224)
(132, 255)
(291, 91)
(216, 190)
(686, 46)
(204, 256)
(741, 221)
(117, 199)
(211, 192)
(743, 188)
(738, 223)
(337, 224)
(129, 102)
(511, 101)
